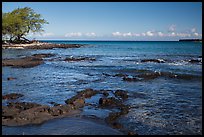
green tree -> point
(20, 22)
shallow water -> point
(64, 126)
(158, 106)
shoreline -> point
(71, 125)
(40, 45)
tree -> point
(20, 22)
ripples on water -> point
(158, 106)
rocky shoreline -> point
(40, 45)
(25, 113)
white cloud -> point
(173, 34)
(183, 34)
(172, 28)
(116, 33)
(195, 34)
(143, 34)
(149, 33)
(136, 34)
(90, 34)
(127, 34)
(122, 34)
(160, 34)
(73, 34)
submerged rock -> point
(78, 100)
(25, 62)
(148, 76)
(79, 59)
(12, 96)
(10, 78)
(121, 93)
(130, 79)
(153, 60)
(195, 60)
(109, 102)
(43, 55)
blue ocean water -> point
(159, 106)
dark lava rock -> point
(132, 133)
(25, 62)
(22, 105)
(195, 61)
(120, 75)
(12, 96)
(23, 113)
(153, 60)
(79, 59)
(55, 111)
(109, 102)
(54, 103)
(116, 125)
(121, 93)
(78, 100)
(43, 55)
(10, 78)
(148, 76)
(130, 79)
(105, 74)
(112, 117)
(51, 46)
(105, 94)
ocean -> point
(162, 105)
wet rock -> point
(55, 111)
(120, 75)
(87, 93)
(112, 117)
(105, 94)
(109, 102)
(132, 133)
(51, 46)
(23, 113)
(130, 79)
(124, 109)
(149, 76)
(12, 96)
(105, 74)
(195, 61)
(78, 100)
(25, 62)
(8, 113)
(78, 103)
(116, 125)
(54, 103)
(22, 105)
(43, 55)
(10, 78)
(79, 59)
(121, 93)
(153, 60)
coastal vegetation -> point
(17, 24)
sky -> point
(135, 21)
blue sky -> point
(116, 20)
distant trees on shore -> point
(19, 23)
